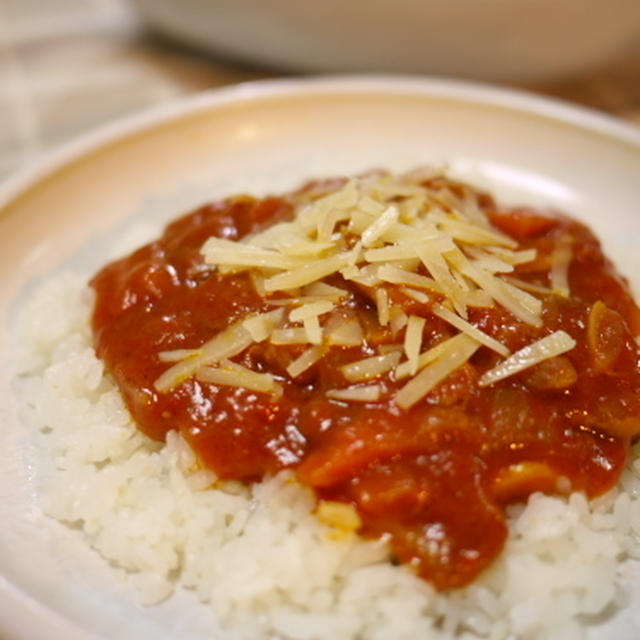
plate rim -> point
(53, 160)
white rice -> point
(257, 555)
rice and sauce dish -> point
(367, 408)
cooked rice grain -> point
(257, 554)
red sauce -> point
(436, 477)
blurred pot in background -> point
(504, 40)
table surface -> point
(66, 66)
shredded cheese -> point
(472, 233)
(396, 275)
(371, 234)
(235, 375)
(370, 367)
(296, 302)
(305, 361)
(177, 354)
(413, 341)
(513, 257)
(324, 290)
(397, 319)
(291, 335)
(234, 254)
(489, 262)
(310, 310)
(527, 286)
(552, 345)
(307, 273)
(437, 246)
(261, 325)
(345, 334)
(426, 357)
(391, 252)
(370, 393)
(418, 296)
(228, 343)
(498, 290)
(418, 387)
(313, 329)
(439, 269)
(382, 303)
(468, 328)
(478, 298)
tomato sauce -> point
(435, 478)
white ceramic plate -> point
(260, 137)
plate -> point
(256, 138)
